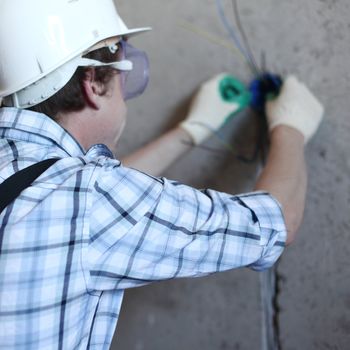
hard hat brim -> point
(135, 31)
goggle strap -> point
(124, 65)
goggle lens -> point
(135, 81)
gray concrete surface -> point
(310, 38)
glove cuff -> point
(198, 131)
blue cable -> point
(232, 33)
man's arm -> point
(285, 176)
(293, 119)
(157, 156)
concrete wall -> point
(310, 38)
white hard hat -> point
(42, 42)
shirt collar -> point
(29, 126)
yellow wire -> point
(210, 37)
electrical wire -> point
(244, 36)
(245, 159)
(263, 61)
(262, 142)
(212, 38)
(246, 50)
(246, 53)
(220, 152)
(235, 38)
(269, 280)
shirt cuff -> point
(268, 213)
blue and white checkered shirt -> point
(88, 228)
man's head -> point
(54, 51)
(91, 105)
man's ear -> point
(92, 89)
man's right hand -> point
(209, 110)
(295, 107)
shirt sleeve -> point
(145, 229)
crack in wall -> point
(270, 282)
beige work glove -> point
(296, 107)
(208, 110)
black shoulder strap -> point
(11, 188)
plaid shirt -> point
(89, 228)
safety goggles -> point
(133, 65)
(133, 81)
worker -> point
(91, 226)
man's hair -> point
(71, 97)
